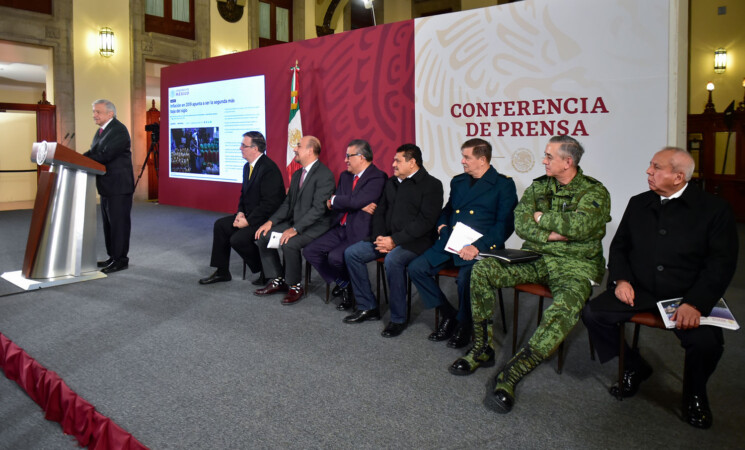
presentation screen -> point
(206, 125)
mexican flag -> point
(295, 128)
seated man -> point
(673, 241)
(301, 218)
(561, 215)
(261, 194)
(403, 227)
(354, 202)
(484, 200)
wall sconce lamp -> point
(369, 5)
(106, 42)
(720, 60)
(741, 105)
(709, 108)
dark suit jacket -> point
(408, 211)
(111, 149)
(263, 193)
(487, 207)
(305, 208)
(686, 248)
(368, 190)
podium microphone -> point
(63, 139)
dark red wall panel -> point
(354, 85)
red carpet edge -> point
(61, 404)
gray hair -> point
(569, 147)
(681, 161)
(109, 106)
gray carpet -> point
(181, 365)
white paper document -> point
(462, 236)
(274, 240)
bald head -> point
(669, 171)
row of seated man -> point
(673, 241)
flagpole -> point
(295, 125)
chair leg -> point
(540, 310)
(501, 310)
(244, 269)
(514, 321)
(592, 347)
(307, 277)
(561, 359)
(378, 269)
(437, 313)
(408, 298)
(621, 356)
(635, 342)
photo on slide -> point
(195, 150)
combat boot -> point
(501, 396)
(481, 354)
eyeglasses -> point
(243, 146)
(349, 155)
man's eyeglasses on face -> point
(244, 146)
(349, 155)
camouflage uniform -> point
(577, 211)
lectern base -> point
(28, 284)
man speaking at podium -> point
(110, 147)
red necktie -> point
(100, 131)
(344, 217)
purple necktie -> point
(302, 178)
(100, 131)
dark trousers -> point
(225, 236)
(293, 270)
(423, 273)
(117, 225)
(358, 255)
(326, 254)
(703, 345)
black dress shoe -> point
(632, 379)
(445, 330)
(104, 263)
(361, 316)
(216, 278)
(696, 411)
(347, 301)
(393, 329)
(337, 290)
(462, 336)
(116, 266)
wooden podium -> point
(62, 235)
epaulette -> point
(592, 180)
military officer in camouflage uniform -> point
(561, 215)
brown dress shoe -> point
(293, 296)
(272, 287)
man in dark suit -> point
(403, 227)
(673, 241)
(301, 218)
(353, 203)
(484, 200)
(111, 147)
(261, 194)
